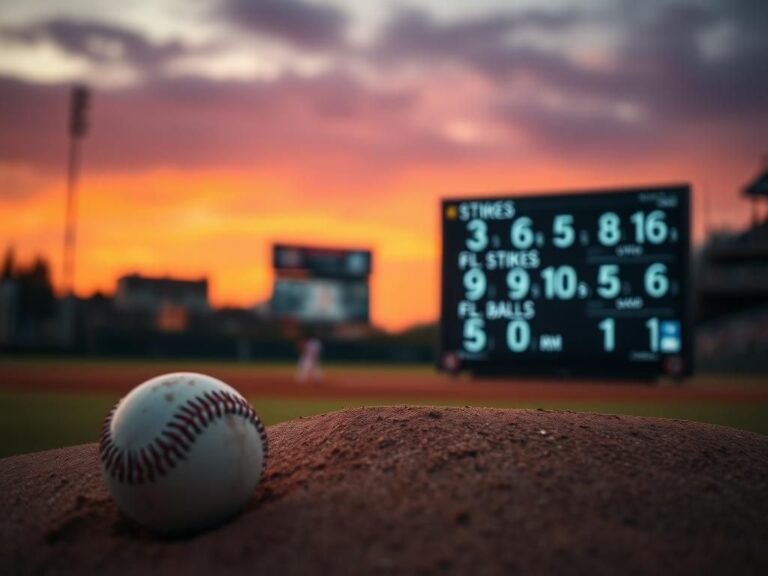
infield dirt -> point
(368, 383)
(422, 490)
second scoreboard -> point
(587, 283)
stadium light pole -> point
(78, 126)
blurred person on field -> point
(309, 360)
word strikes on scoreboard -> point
(578, 283)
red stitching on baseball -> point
(119, 466)
(204, 406)
(183, 430)
(156, 459)
(148, 464)
(188, 420)
(176, 441)
(165, 450)
(212, 405)
(172, 444)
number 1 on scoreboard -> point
(608, 326)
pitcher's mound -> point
(428, 490)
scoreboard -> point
(574, 284)
(316, 284)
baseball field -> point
(51, 403)
(579, 482)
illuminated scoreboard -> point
(318, 284)
(575, 284)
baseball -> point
(182, 452)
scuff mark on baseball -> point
(182, 461)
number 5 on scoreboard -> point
(608, 283)
(563, 233)
(474, 335)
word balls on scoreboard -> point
(588, 283)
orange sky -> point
(222, 225)
(219, 130)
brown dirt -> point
(424, 490)
(366, 383)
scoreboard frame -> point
(677, 365)
(321, 284)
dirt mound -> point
(419, 490)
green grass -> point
(39, 421)
(198, 365)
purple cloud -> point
(302, 24)
(102, 43)
(660, 68)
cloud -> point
(98, 42)
(671, 65)
(34, 120)
(672, 75)
(301, 24)
(416, 34)
(192, 122)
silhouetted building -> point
(757, 191)
(733, 268)
(8, 310)
(170, 302)
(142, 293)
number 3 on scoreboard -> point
(479, 230)
(474, 335)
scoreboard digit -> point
(573, 284)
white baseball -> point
(182, 452)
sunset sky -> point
(221, 126)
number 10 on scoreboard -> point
(589, 283)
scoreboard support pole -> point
(70, 229)
(78, 127)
